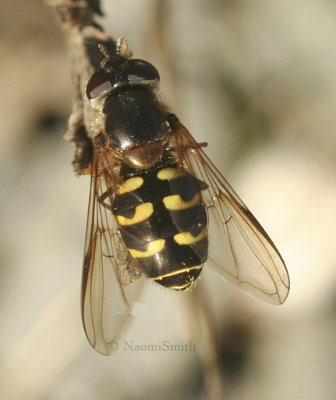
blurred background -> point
(255, 79)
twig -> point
(82, 36)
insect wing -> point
(106, 300)
(244, 255)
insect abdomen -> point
(163, 223)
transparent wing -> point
(244, 255)
(110, 284)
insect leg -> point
(104, 196)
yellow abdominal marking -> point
(180, 287)
(167, 173)
(152, 248)
(185, 238)
(179, 271)
(142, 212)
(175, 202)
(130, 184)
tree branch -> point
(82, 35)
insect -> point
(157, 205)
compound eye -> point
(140, 70)
(99, 84)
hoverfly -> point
(155, 199)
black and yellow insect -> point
(155, 200)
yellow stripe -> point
(152, 248)
(175, 202)
(142, 212)
(130, 184)
(181, 287)
(180, 271)
(167, 173)
(185, 238)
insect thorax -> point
(133, 117)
